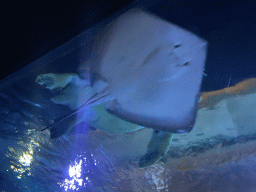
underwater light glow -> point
(25, 159)
(75, 173)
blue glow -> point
(78, 173)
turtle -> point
(74, 90)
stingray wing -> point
(148, 71)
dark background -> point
(30, 29)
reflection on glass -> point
(76, 178)
(24, 158)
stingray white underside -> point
(148, 71)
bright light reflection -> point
(75, 172)
(25, 159)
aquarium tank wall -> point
(129, 96)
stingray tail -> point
(101, 97)
(65, 117)
(97, 99)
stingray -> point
(148, 71)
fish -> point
(147, 71)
